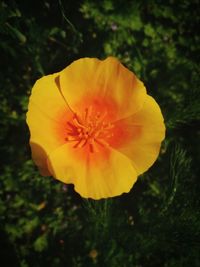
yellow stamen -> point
(91, 130)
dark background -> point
(44, 222)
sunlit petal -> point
(90, 80)
(141, 135)
(97, 175)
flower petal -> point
(94, 176)
(46, 117)
(143, 133)
(87, 80)
(39, 156)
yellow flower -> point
(93, 125)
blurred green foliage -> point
(45, 223)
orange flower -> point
(93, 125)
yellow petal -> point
(95, 175)
(141, 135)
(46, 117)
(39, 156)
(90, 80)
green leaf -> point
(41, 243)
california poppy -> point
(93, 125)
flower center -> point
(90, 130)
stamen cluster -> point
(91, 129)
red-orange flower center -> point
(89, 129)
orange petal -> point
(88, 80)
(46, 117)
(141, 135)
(97, 175)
